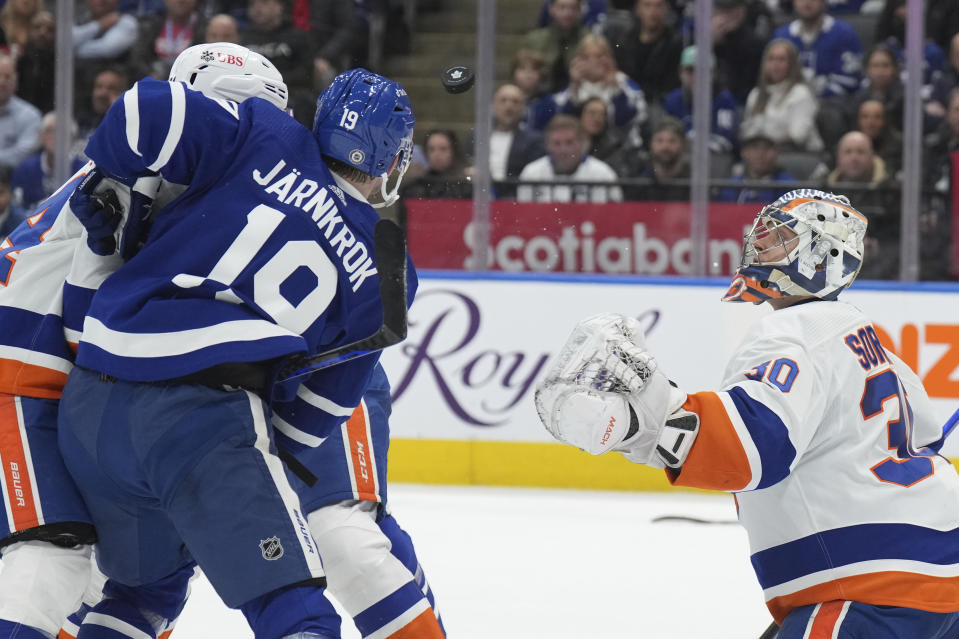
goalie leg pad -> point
(42, 583)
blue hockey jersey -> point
(263, 255)
(833, 61)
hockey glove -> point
(606, 392)
(98, 203)
(100, 213)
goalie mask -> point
(366, 121)
(229, 71)
(805, 243)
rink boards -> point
(463, 380)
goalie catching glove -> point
(605, 392)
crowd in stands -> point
(117, 42)
(804, 92)
(600, 92)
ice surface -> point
(557, 564)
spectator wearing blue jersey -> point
(724, 121)
(557, 41)
(593, 73)
(10, 214)
(33, 179)
(19, 120)
(829, 49)
(648, 50)
(782, 106)
(760, 163)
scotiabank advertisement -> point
(477, 346)
(640, 238)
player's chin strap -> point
(389, 198)
(402, 163)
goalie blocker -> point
(605, 392)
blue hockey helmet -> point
(810, 244)
(366, 121)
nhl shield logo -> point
(271, 548)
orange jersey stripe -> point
(357, 438)
(16, 473)
(424, 626)
(826, 617)
(30, 380)
(717, 460)
(891, 588)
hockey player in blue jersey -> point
(828, 441)
(58, 570)
(47, 531)
(265, 255)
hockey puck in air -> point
(458, 79)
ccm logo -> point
(229, 58)
(609, 431)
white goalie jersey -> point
(830, 445)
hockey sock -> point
(290, 611)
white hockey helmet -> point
(824, 261)
(229, 71)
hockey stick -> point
(770, 632)
(692, 520)
(389, 242)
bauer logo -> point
(271, 548)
